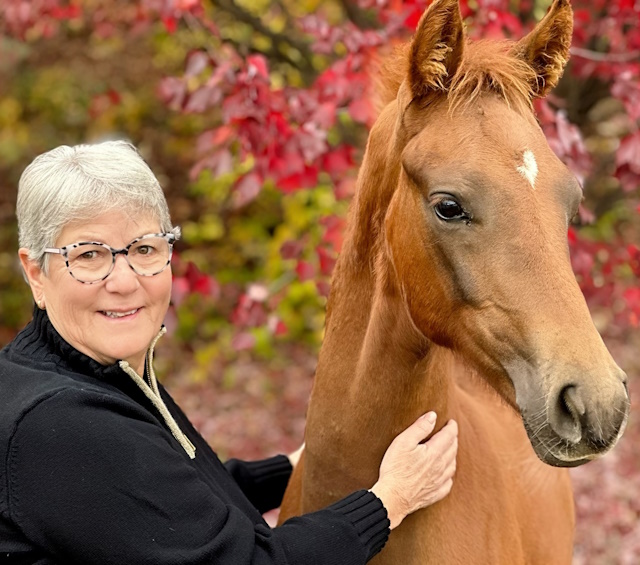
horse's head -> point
(476, 228)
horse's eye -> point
(448, 209)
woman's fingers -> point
(444, 437)
(418, 431)
(415, 473)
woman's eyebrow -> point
(88, 236)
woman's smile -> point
(129, 314)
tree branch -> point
(605, 57)
(357, 16)
(240, 14)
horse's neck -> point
(376, 373)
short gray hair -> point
(79, 183)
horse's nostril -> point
(572, 399)
(570, 411)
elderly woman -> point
(97, 463)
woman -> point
(98, 464)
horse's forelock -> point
(487, 66)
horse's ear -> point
(436, 48)
(546, 47)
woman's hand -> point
(414, 475)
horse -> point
(454, 292)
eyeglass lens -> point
(89, 262)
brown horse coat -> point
(454, 293)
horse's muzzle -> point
(580, 422)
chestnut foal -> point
(454, 293)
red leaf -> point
(305, 271)
(102, 102)
(361, 110)
(222, 134)
(242, 341)
(338, 161)
(213, 138)
(257, 66)
(334, 231)
(65, 12)
(307, 179)
(206, 286)
(170, 23)
(629, 152)
(323, 288)
(248, 313)
(345, 188)
(582, 261)
(572, 236)
(197, 62)
(568, 134)
(114, 97)
(246, 189)
(200, 283)
(218, 163)
(179, 290)
(198, 101)
(411, 21)
(276, 326)
(325, 115)
(586, 216)
(172, 91)
(327, 260)
(632, 297)
(186, 5)
(291, 249)
(310, 142)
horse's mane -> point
(487, 66)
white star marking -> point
(529, 167)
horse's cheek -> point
(418, 274)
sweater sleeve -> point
(93, 479)
(263, 482)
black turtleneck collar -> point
(40, 341)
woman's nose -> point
(122, 279)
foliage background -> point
(253, 114)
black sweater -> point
(91, 472)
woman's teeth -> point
(120, 314)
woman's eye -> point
(144, 250)
(88, 255)
(448, 209)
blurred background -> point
(254, 114)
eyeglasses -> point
(90, 262)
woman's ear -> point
(34, 275)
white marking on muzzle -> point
(529, 167)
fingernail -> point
(430, 417)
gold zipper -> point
(152, 392)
